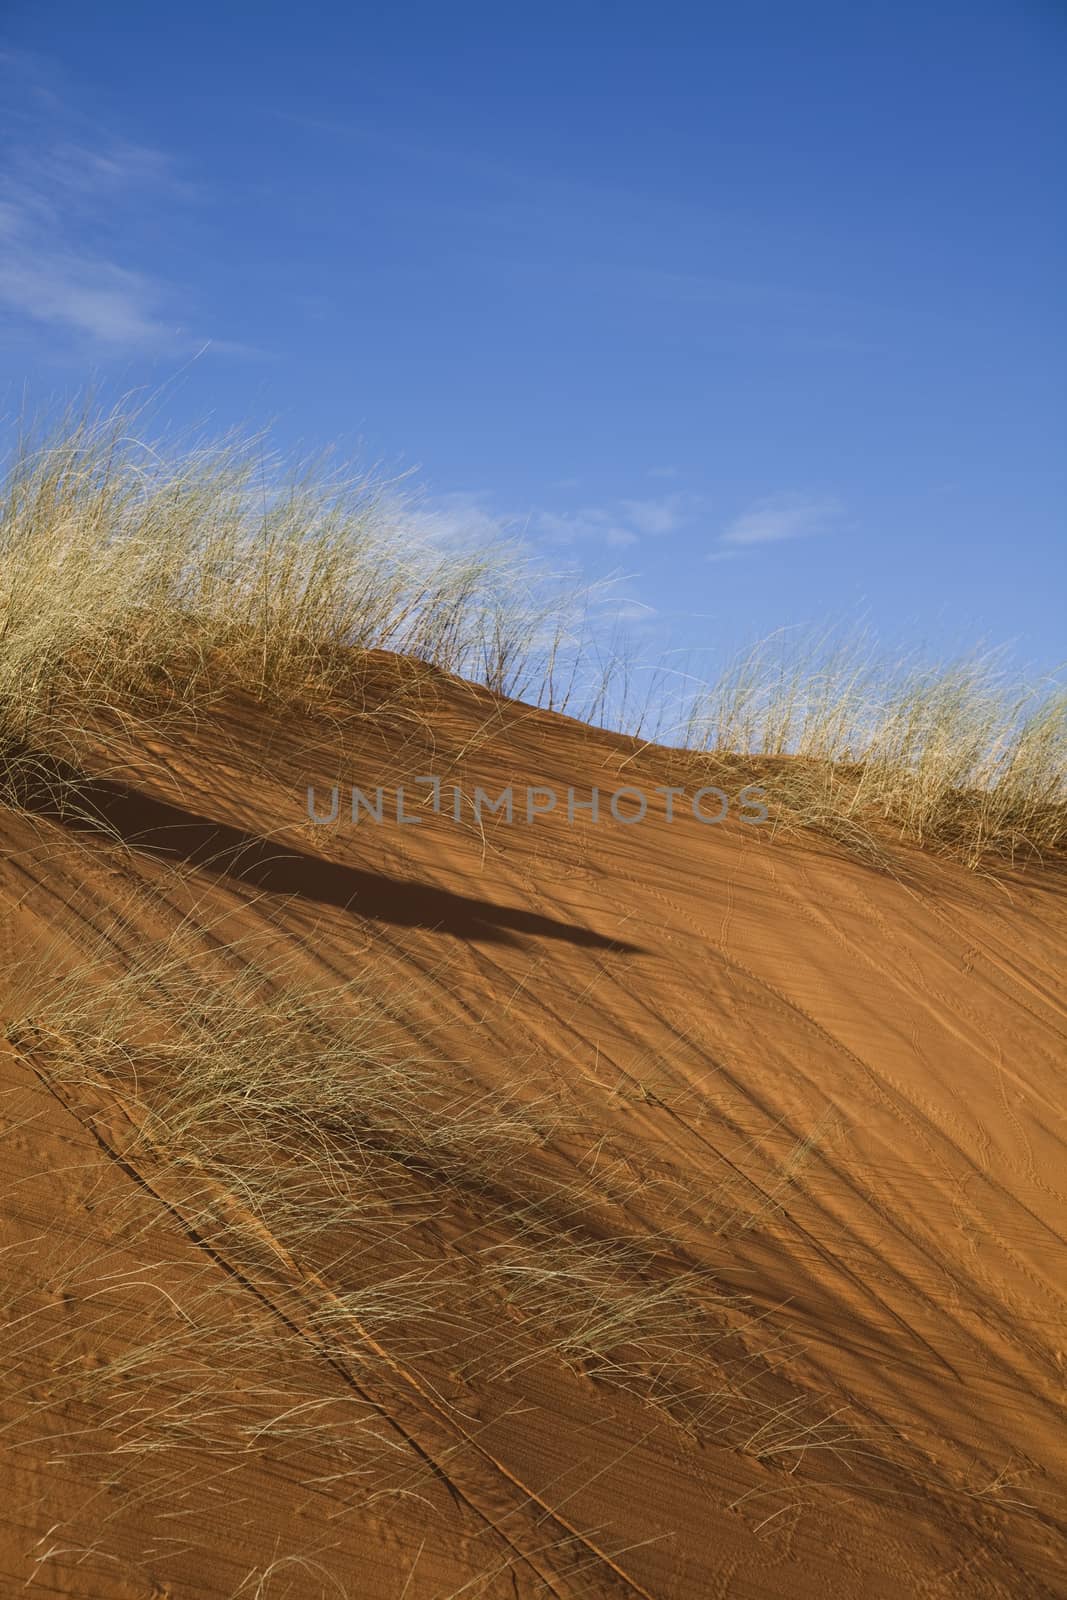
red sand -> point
(838, 1090)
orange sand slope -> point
(828, 1096)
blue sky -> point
(759, 305)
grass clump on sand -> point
(138, 578)
(134, 572)
(953, 755)
(308, 1137)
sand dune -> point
(806, 1114)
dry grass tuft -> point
(141, 579)
(304, 1135)
(137, 573)
(952, 756)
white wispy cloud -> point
(71, 198)
(460, 518)
(661, 515)
(783, 516)
(590, 523)
(628, 610)
(470, 517)
(45, 274)
(619, 523)
(97, 298)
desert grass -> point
(377, 1210)
(122, 556)
(391, 1205)
(306, 1135)
(140, 577)
(955, 756)
(154, 1389)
